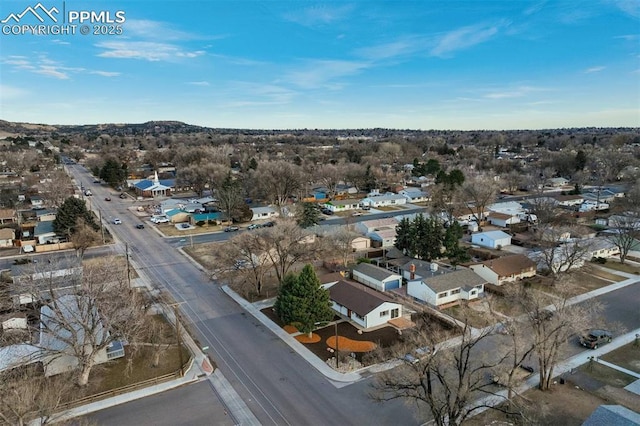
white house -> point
(263, 213)
(491, 239)
(363, 305)
(61, 357)
(384, 200)
(502, 220)
(414, 195)
(462, 284)
(569, 200)
(342, 205)
(603, 247)
(505, 269)
(360, 243)
(557, 182)
(367, 226)
(416, 269)
(376, 277)
(384, 237)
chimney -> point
(412, 270)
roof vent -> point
(433, 267)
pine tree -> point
(308, 215)
(302, 301)
(68, 214)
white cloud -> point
(145, 50)
(513, 92)
(11, 92)
(52, 71)
(320, 73)
(630, 7)
(319, 15)
(594, 69)
(199, 83)
(393, 49)
(106, 73)
(465, 37)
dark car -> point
(231, 229)
(140, 226)
(594, 338)
(269, 224)
(107, 198)
(122, 196)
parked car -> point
(107, 198)
(269, 224)
(231, 229)
(410, 359)
(592, 339)
(140, 226)
(116, 221)
(123, 195)
(356, 214)
(254, 226)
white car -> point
(356, 214)
(160, 219)
(117, 221)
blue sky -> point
(273, 64)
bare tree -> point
(330, 175)
(278, 180)
(341, 243)
(83, 314)
(84, 236)
(477, 194)
(56, 188)
(625, 226)
(560, 253)
(553, 320)
(27, 395)
(449, 381)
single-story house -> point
(502, 220)
(612, 415)
(414, 195)
(557, 182)
(376, 277)
(264, 213)
(60, 357)
(36, 202)
(416, 269)
(385, 237)
(505, 269)
(363, 305)
(8, 216)
(154, 187)
(606, 195)
(342, 205)
(360, 243)
(507, 207)
(383, 200)
(561, 258)
(32, 278)
(367, 226)
(603, 247)
(216, 217)
(569, 200)
(177, 216)
(7, 235)
(45, 215)
(491, 239)
(461, 284)
(44, 232)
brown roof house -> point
(505, 269)
(7, 236)
(363, 305)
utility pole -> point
(126, 248)
(101, 225)
(178, 338)
(337, 350)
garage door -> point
(390, 285)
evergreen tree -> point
(68, 214)
(308, 215)
(302, 301)
(432, 167)
(369, 180)
(404, 237)
(113, 172)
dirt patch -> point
(345, 344)
(304, 338)
(290, 329)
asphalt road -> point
(278, 385)
(194, 404)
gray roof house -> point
(447, 289)
(363, 305)
(376, 277)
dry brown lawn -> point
(346, 344)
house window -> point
(395, 313)
(472, 293)
(441, 295)
(384, 314)
(358, 316)
(479, 286)
(456, 291)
